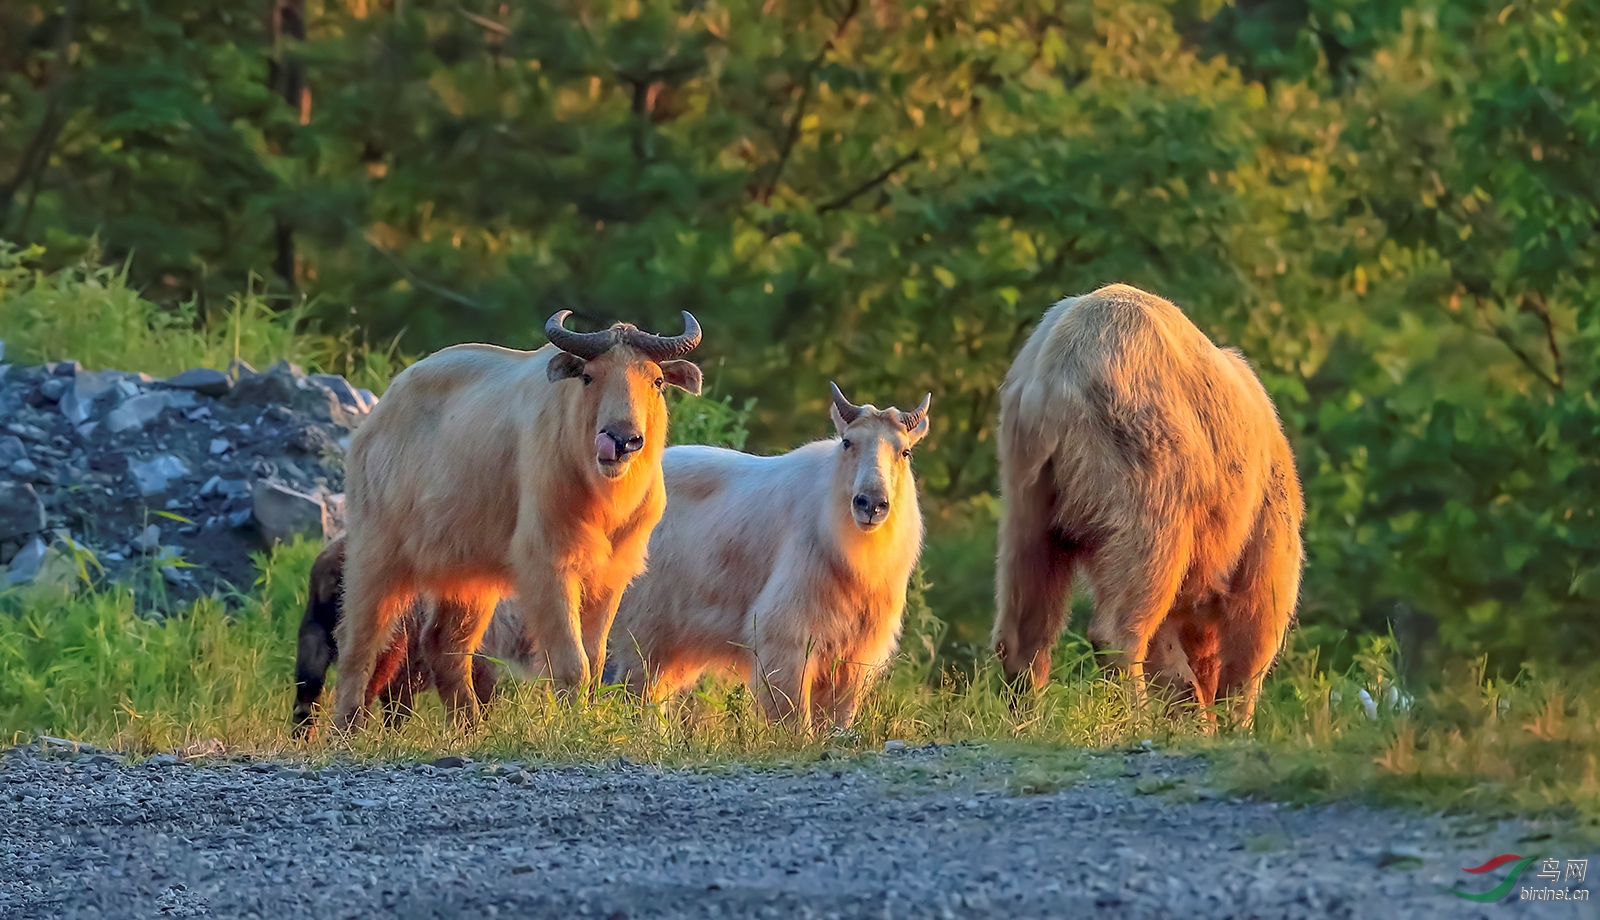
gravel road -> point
(931, 833)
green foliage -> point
(1389, 205)
(703, 420)
(96, 663)
(90, 313)
(1469, 743)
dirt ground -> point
(918, 833)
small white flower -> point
(1367, 703)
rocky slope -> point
(167, 485)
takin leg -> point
(782, 682)
(1201, 644)
(375, 597)
(485, 679)
(1033, 581)
(550, 600)
(1256, 613)
(836, 692)
(401, 674)
(1135, 576)
(1167, 663)
(455, 634)
(317, 650)
(596, 623)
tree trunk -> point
(287, 76)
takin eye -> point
(587, 380)
(906, 453)
(845, 443)
(660, 382)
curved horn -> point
(586, 345)
(662, 347)
(914, 418)
(847, 409)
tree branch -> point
(1532, 303)
(868, 185)
(484, 22)
(1509, 340)
(423, 283)
(37, 155)
(792, 132)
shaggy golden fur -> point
(477, 477)
(790, 569)
(1135, 450)
(404, 669)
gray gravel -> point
(916, 833)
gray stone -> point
(92, 385)
(336, 513)
(29, 432)
(24, 468)
(219, 446)
(137, 412)
(11, 450)
(202, 380)
(349, 397)
(43, 564)
(87, 395)
(21, 510)
(52, 389)
(127, 388)
(211, 485)
(273, 388)
(282, 512)
(149, 538)
(26, 563)
(152, 476)
(65, 368)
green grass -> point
(89, 313)
(93, 666)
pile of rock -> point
(175, 481)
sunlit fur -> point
(760, 564)
(476, 477)
(404, 668)
(1134, 449)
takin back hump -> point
(1122, 375)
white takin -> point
(791, 569)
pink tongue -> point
(604, 447)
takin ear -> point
(918, 431)
(563, 366)
(685, 375)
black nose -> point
(626, 443)
(870, 506)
